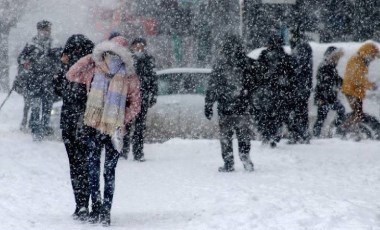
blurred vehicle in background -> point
(179, 112)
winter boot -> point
(248, 165)
(96, 210)
(226, 168)
(82, 214)
(105, 218)
(75, 214)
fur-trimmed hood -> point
(118, 49)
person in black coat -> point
(230, 85)
(74, 96)
(326, 92)
(39, 59)
(144, 66)
(302, 55)
(272, 96)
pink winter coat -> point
(83, 71)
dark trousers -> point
(139, 125)
(73, 139)
(40, 114)
(228, 124)
(299, 121)
(322, 114)
(96, 141)
(27, 105)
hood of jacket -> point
(368, 49)
(117, 45)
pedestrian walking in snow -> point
(144, 65)
(302, 55)
(38, 59)
(273, 87)
(356, 83)
(74, 97)
(113, 101)
(326, 91)
(230, 85)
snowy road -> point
(329, 184)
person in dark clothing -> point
(230, 85)
(144, 65)
(38, 57)
(301, 88)
(272, 96)
(74, 96)
(326, 92)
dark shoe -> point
(141, 159)
(273, 144)
(75, 214)
(94, 215)
(248, 166)
(82, 214)
(105, 218)
(226, 168)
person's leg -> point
(127, 140)
(243, 134)
(35, 121)
(321, 117)
(138, 136)
(304, 121)
(341, 112)
(111, 159)
(47, 105)
(25, 113)
(356, 105)
(94, 147)
(226, 132)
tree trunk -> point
(4, 64)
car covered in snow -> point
(179, 111)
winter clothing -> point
(144, 65)
(113, 76)
(230, 85)
(273, 93)
(301, 87)
(41, 63)
(74, 96)
(355, 81)
(326, 91)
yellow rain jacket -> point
(355, 80)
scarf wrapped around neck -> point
(106, 102)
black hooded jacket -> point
(74, 95)
(328, 84)
(231, 81)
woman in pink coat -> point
(113, 101)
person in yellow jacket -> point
(355, 81)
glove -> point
(153, 101)
(208, 112)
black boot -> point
(227, 167)
(82, 214)
(105, 218)
(248, 165)
(96, 210)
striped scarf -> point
(106, 102)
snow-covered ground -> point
(329, 184)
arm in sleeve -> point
(82, 71)
(134, 99)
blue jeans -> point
(96, 141)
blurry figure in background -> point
(326, 91)
(39, 59)
(302, 55)
(230, 85)
(113, 101)
(272, 96)
(74, 96)
(355, 83)
(144, 65)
